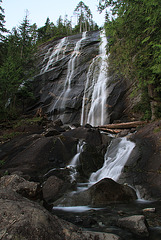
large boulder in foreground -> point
(100, 194)
(21, 218)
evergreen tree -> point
(2, 22)
(17, 67)
(135, 46)
(84, 16)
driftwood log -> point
(126, 125)
(114, 131)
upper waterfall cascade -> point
(95, 112)
(54, 55)
(74, 83)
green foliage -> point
(84, 17)
(2, 23)
(2, 162)
(135, 43)
(17, 66)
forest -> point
(134, 43)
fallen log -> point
(126, 125)
(111, 130)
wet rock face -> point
(50, 84)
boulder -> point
(107, 190)
(51, 188)
(101, 236)
(55, 188)
(91, 136)
(20, 185)
(91, 159)
(136, 224)
(100, 194)
(51, 132)
(58, 122)
(21, 218)
(35, 154)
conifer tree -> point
(135, 47)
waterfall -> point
(95, 112)
(52, 56)
(75, 160)
(115, 159)
(70, 72)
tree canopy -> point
(135, 45)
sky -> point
(39, 10)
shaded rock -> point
(58, 122)
(91, 159)
(62, 173)
(51, 132)
(101, 236)
(100, 194)
(107, 190)
(21, 218)
(54, 188)
(20, 185)
(51, 189)
(89, 135)
(142, 169)
(64, 148)
(136, 224)
(34, 155)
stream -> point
(104, 219)
(94, 111)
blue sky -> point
(39, 10)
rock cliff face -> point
(73, 83)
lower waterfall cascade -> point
(116, 157)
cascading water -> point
(53, 55)
(94, 109)
(75, 160)
(115, 159)
(70, 72)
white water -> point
(114, 160)
(75, 208)
(70, 72)
(96, 89)
(55, 54)
(75, 160)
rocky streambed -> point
(40, 201)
